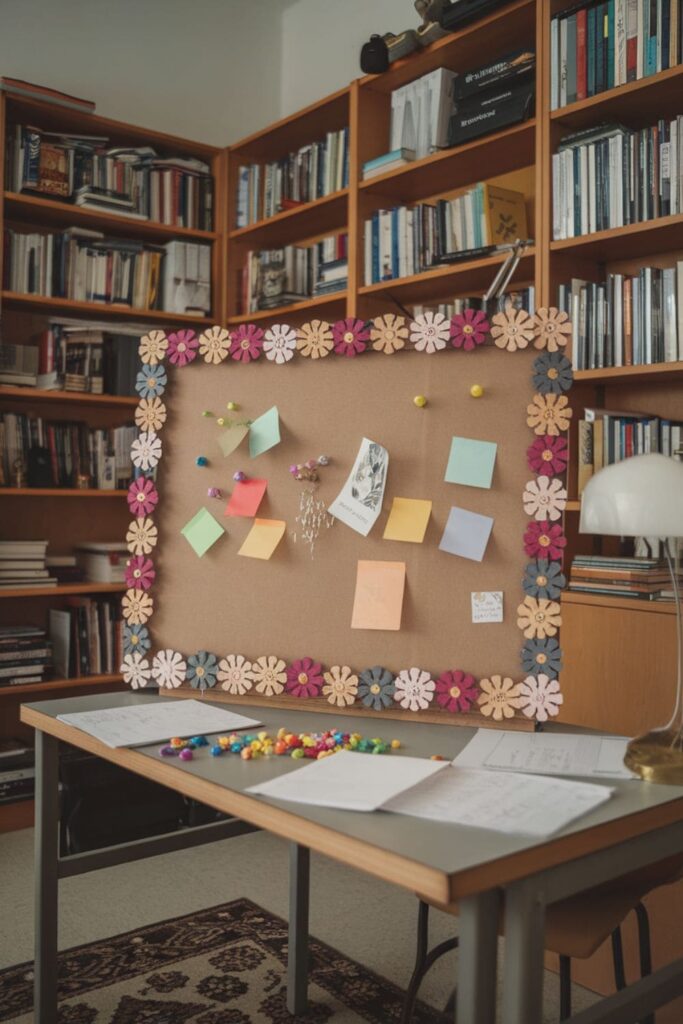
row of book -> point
(131, 181)
(523, 298)
(609, 176)
(17, 770)
(646, 578)
(59, 453)
(315, 170)
(407, 240)
(87, 636)
(626, 320)
(25, 655)
(598, 46)
(607, 436)
(278, 277)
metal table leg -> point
(478, 932)
(46, 879)
(524, 935)
(297, 950)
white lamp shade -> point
(639, 497)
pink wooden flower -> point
(469, 329)
(182, 347)
(350, 337)
(305, 678)
(246, 343)
(544, 498)
(544, 540)
(142, 496)
(140, 572)
(548, 455)
(456, 690)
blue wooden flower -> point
(376, 688)
(544, 579)
(552, 373)
(202, 670)
(151, 381)
(135, 639)
(542, 657)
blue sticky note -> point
(471, 462)
(202, 532)
(264, 433)
(466, 534)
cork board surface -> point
(295, 605)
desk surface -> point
(442, 862)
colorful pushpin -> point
(476, 391)
(323, 460)
(186, 754)
(420, 401)
(214, 492)
(207, 412)
(239, 476)
(202, 460)
(221, 421)
(232, 406)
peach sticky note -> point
(263, 538)
(246, 498)
(408, 520)
(379, 595)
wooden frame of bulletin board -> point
(243, 625)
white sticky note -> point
(487, 605)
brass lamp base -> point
(657, 756)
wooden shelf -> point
(59, 685)
(36, 210)
(331, 113)
(63, 590)
(97, 310)
(37, 395)
(322, 302)
(653, 373)
(573, 506)
(641, 239)
(322, 216)
(636, 104)
(622, 603)
(58, 492)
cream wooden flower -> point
(544, 498)
(145, 451)
(499, 697)
(538, 617)
(414, 689)
(137, 607)
(341, 686)
(269, 675)
(168, 669)
(135, 670)
(150, 414)
(549, 414)
(429, 332)
(142, 536)
(214, 345)
(540, 697)
(315, 339)
(279, 343)
(235, 674)
(512, 329)
(152, 347)
(552, 329)
(388, 333)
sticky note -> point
(487, 606)
(263, 538)
(202, 531)
(246, 497)
(471, 462)
(231, 439)
(408, 520)
(378, 602)
(264, 433)
(466, 534)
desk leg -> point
(297, 950)
(478, 947)
(523, 973)
(46, 880)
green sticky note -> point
(471, 462)
(264, 433)
(202, 531)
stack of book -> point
(407, 240)
(524, 299)
(22, 564)
(103, 562)
(645, 578)
(17, 770)
(608, 176)
(387, 162)
(278, 277)
(315, 170)
(627, 320)
(420, 113)
(85, 355)
(493, 97)
(25, 655)
(61, 453)
(601, 45)
(607, 436)
(87, 637)
(65, 568)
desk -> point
(485, 871)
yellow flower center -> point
(512, 329)
(544, 540)
(137, 574)
(302, 678)
(199, 671)
(375, 688)
(541, 580)
(499, 697)
(348, 337)
(454, 691)
(151, 383)
(539, 617)
(549, 327)
(547, 455)
(468, 329)
(181, 346)
(134, 639)
(389, 334)
(552, 373)
(141, 496)
(244, 344)
(548, 414)
(541, 659)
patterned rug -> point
(226, 965)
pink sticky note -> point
(246, 498)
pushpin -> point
(221, 421)
(214, 492)
(232, 406)
(323, 460)
(239, 476)
(202, 460)
(476, 391)
(420, 401)
(186, 754)
(207, 412)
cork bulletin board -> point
(298, 603)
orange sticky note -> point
(379, 595)
(246, 498)
(263, 538)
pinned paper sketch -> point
(246, 497)
(202, 531)
(230, 439)
(359, 502)
(408, 520)
(264, 433)
(378, 603)
(471, 462)
(466, 534)
(487, 606)
(263, 538)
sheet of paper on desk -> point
(546, 753)
(500, 801)
(350, 781)
(140, 724)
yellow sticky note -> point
(378, 603)
(231, 438)
(263, 538)
(408, 520)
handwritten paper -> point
(471, 462)
(466, 534)
(378, 602)
(408, 520)
(229, 440)
(546, 753)
(359, 502)
(246, 497)
(264, 433)
(487, 606)
(263, 538)
(202, 531)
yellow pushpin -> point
(476, 391)
(420, 401)
(232, 406)
(221, 421)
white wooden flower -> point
(341, 686)
(150, 414)
(235, 674)
(269, 674)
(544, 498)
(214, 345)
(169, 668)
(142, 536)
(540, 697)
(152, 347)
(145, 450)
(429, 332)
(414, 689)
(279, 343)
(135, 670)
